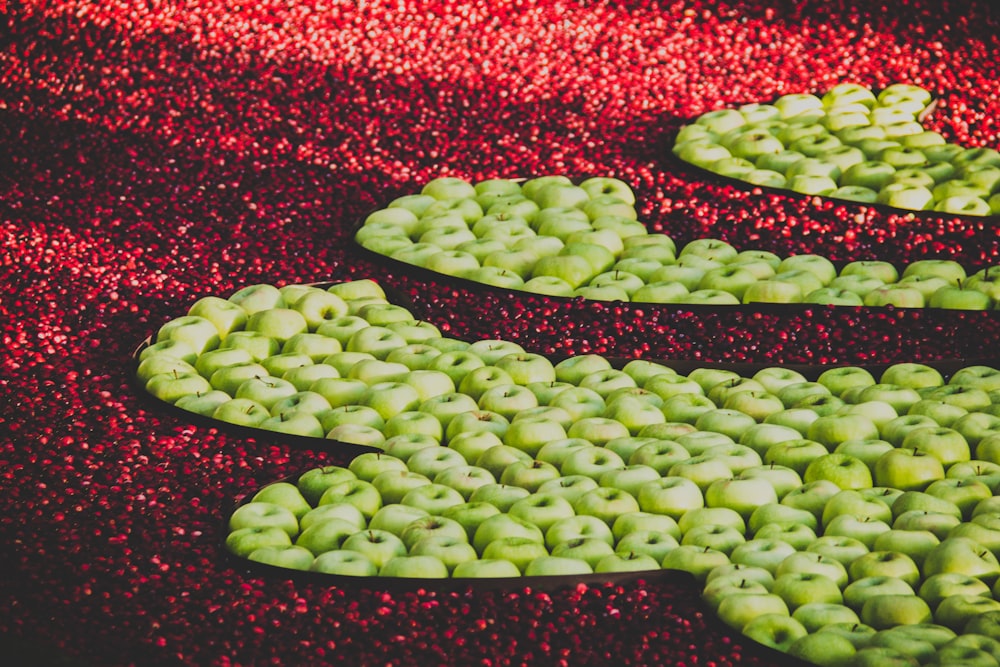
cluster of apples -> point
(550, 236)
(848, 144)
(843, 519)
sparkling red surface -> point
(154, 152)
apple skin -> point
(720, 588)
(766, 553)
(290, 557)
(719, 537)
(945, 444)
(627, 561)
(344, 563)
(743, 495)
(798, 535)
(557, 566)
(885, 611)
(327, 535)
(737, 611)
(799, 588)
(823, 648)
(907, 469)
(860, 591)
(495, 568)
(261, 514)
(517, 549)
(962, 555)
(847, 472)
(955, 611)
(697, 561)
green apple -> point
(495, 568)
(379, 546)
(858, 592)
(965, 556)
(244, 541)
(326, 535)
(889, 610)
(627, 561)
(173, 386)
(760, 437)
(945, 444)
(659, 455)
(241, 411)
(719, 537)
(844, 470)
(433, 498)
(803, 587)
(292, 557)
(470, 514)
(464, 478)
(517, 549)
(258, 514)
(529, 474)
(866, 450)
(760, 552)
(363, 495)
(431, 525)
(811, 496)
(590, 550)
(226, 315)
(773, 291)
(783, 479)
(557, 566)
(503, 496)
(985, 625)
(204, 404)
(345, 511)
(606, 503)
(636, 521)
(832, 430)
(432, 461)
(965, 494)
(197, 332)
(393, 517)
(743, 495)
(720, 588)
(569, 487)
(169, 349)
(796, 454)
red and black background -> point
(155, 151)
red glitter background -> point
(153, 152)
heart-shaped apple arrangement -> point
(550, 236)
(847, 144)
(829, 517)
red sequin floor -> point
(153, 152)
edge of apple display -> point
(402, 584)
(712, 177)
(686, 582)
(682, 366)
(259, 434)
(957, 331)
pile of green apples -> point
(847, 144)
(550, 236)
(845, 519)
